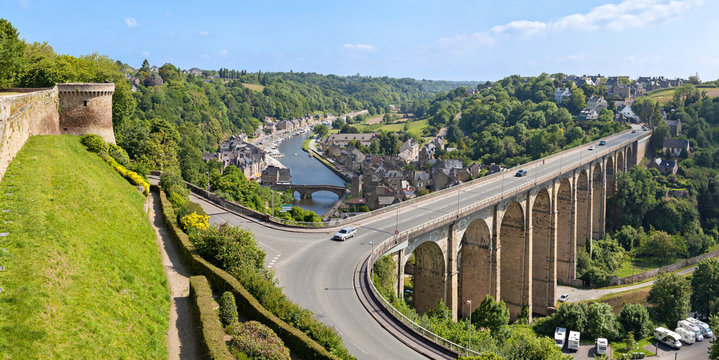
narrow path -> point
(183, 340)
(576, 294)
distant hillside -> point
(83, 278)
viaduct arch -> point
(517, 249)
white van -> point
(706, 331)
(601, 344)
(559, 335)
(687, 336)
(689, 327)
(573, 341)
(668, 337)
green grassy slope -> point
(83, 277)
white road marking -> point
(360, 349)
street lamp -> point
(469, 327)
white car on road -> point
(345, 233)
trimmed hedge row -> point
(131, 176)
(299, 343)
(213, 341)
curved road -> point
(317, 272)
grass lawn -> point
(633, 266)
(83, 277)
(620, 348)
(255, 87)
(414, 127)
(664, 96)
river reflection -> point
(306, 170)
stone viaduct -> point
(516, 248)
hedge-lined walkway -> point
(183, 341)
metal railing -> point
(380, 249)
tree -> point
(321, 130)
(601, 321)
(12, 55)
(714, 349)
(573, 316)
(388, 143)
(648, 110)
(491, 314)
(577, 101)
(662, 247)
(634, 319)
(705, 285)
(637, 195)
(670, 297)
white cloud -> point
(223, 52)
(145, 53)
(360, 48)
(131, 23)
(616, 17)
(627, 14)
(204, 32)
(25, 4)
(520, 27)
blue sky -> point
(452, 40)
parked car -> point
(564, 298)
(602, 143)
(634, 131)
(521, 173)
(345, 233)
(591, 147)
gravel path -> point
(182, 337)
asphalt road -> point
(317, 272)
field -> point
(664, 96)
(255, 87)
(83, 277)
(414, 127)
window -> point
(84, 103)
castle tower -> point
(86, 108)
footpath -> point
(183, 340)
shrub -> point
(94, 143)
(119, 154)
(228, 309)
(491, 314)
(258, 341)
(601, 321)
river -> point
(306, 170)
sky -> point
(440, 40)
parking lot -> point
(585, 351)
(699, 351)
(696, 351)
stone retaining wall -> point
(34, 112)
(669, 268)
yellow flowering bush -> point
(195, 221)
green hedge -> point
(213, 341)
(297, 341)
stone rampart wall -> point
(24, 115)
